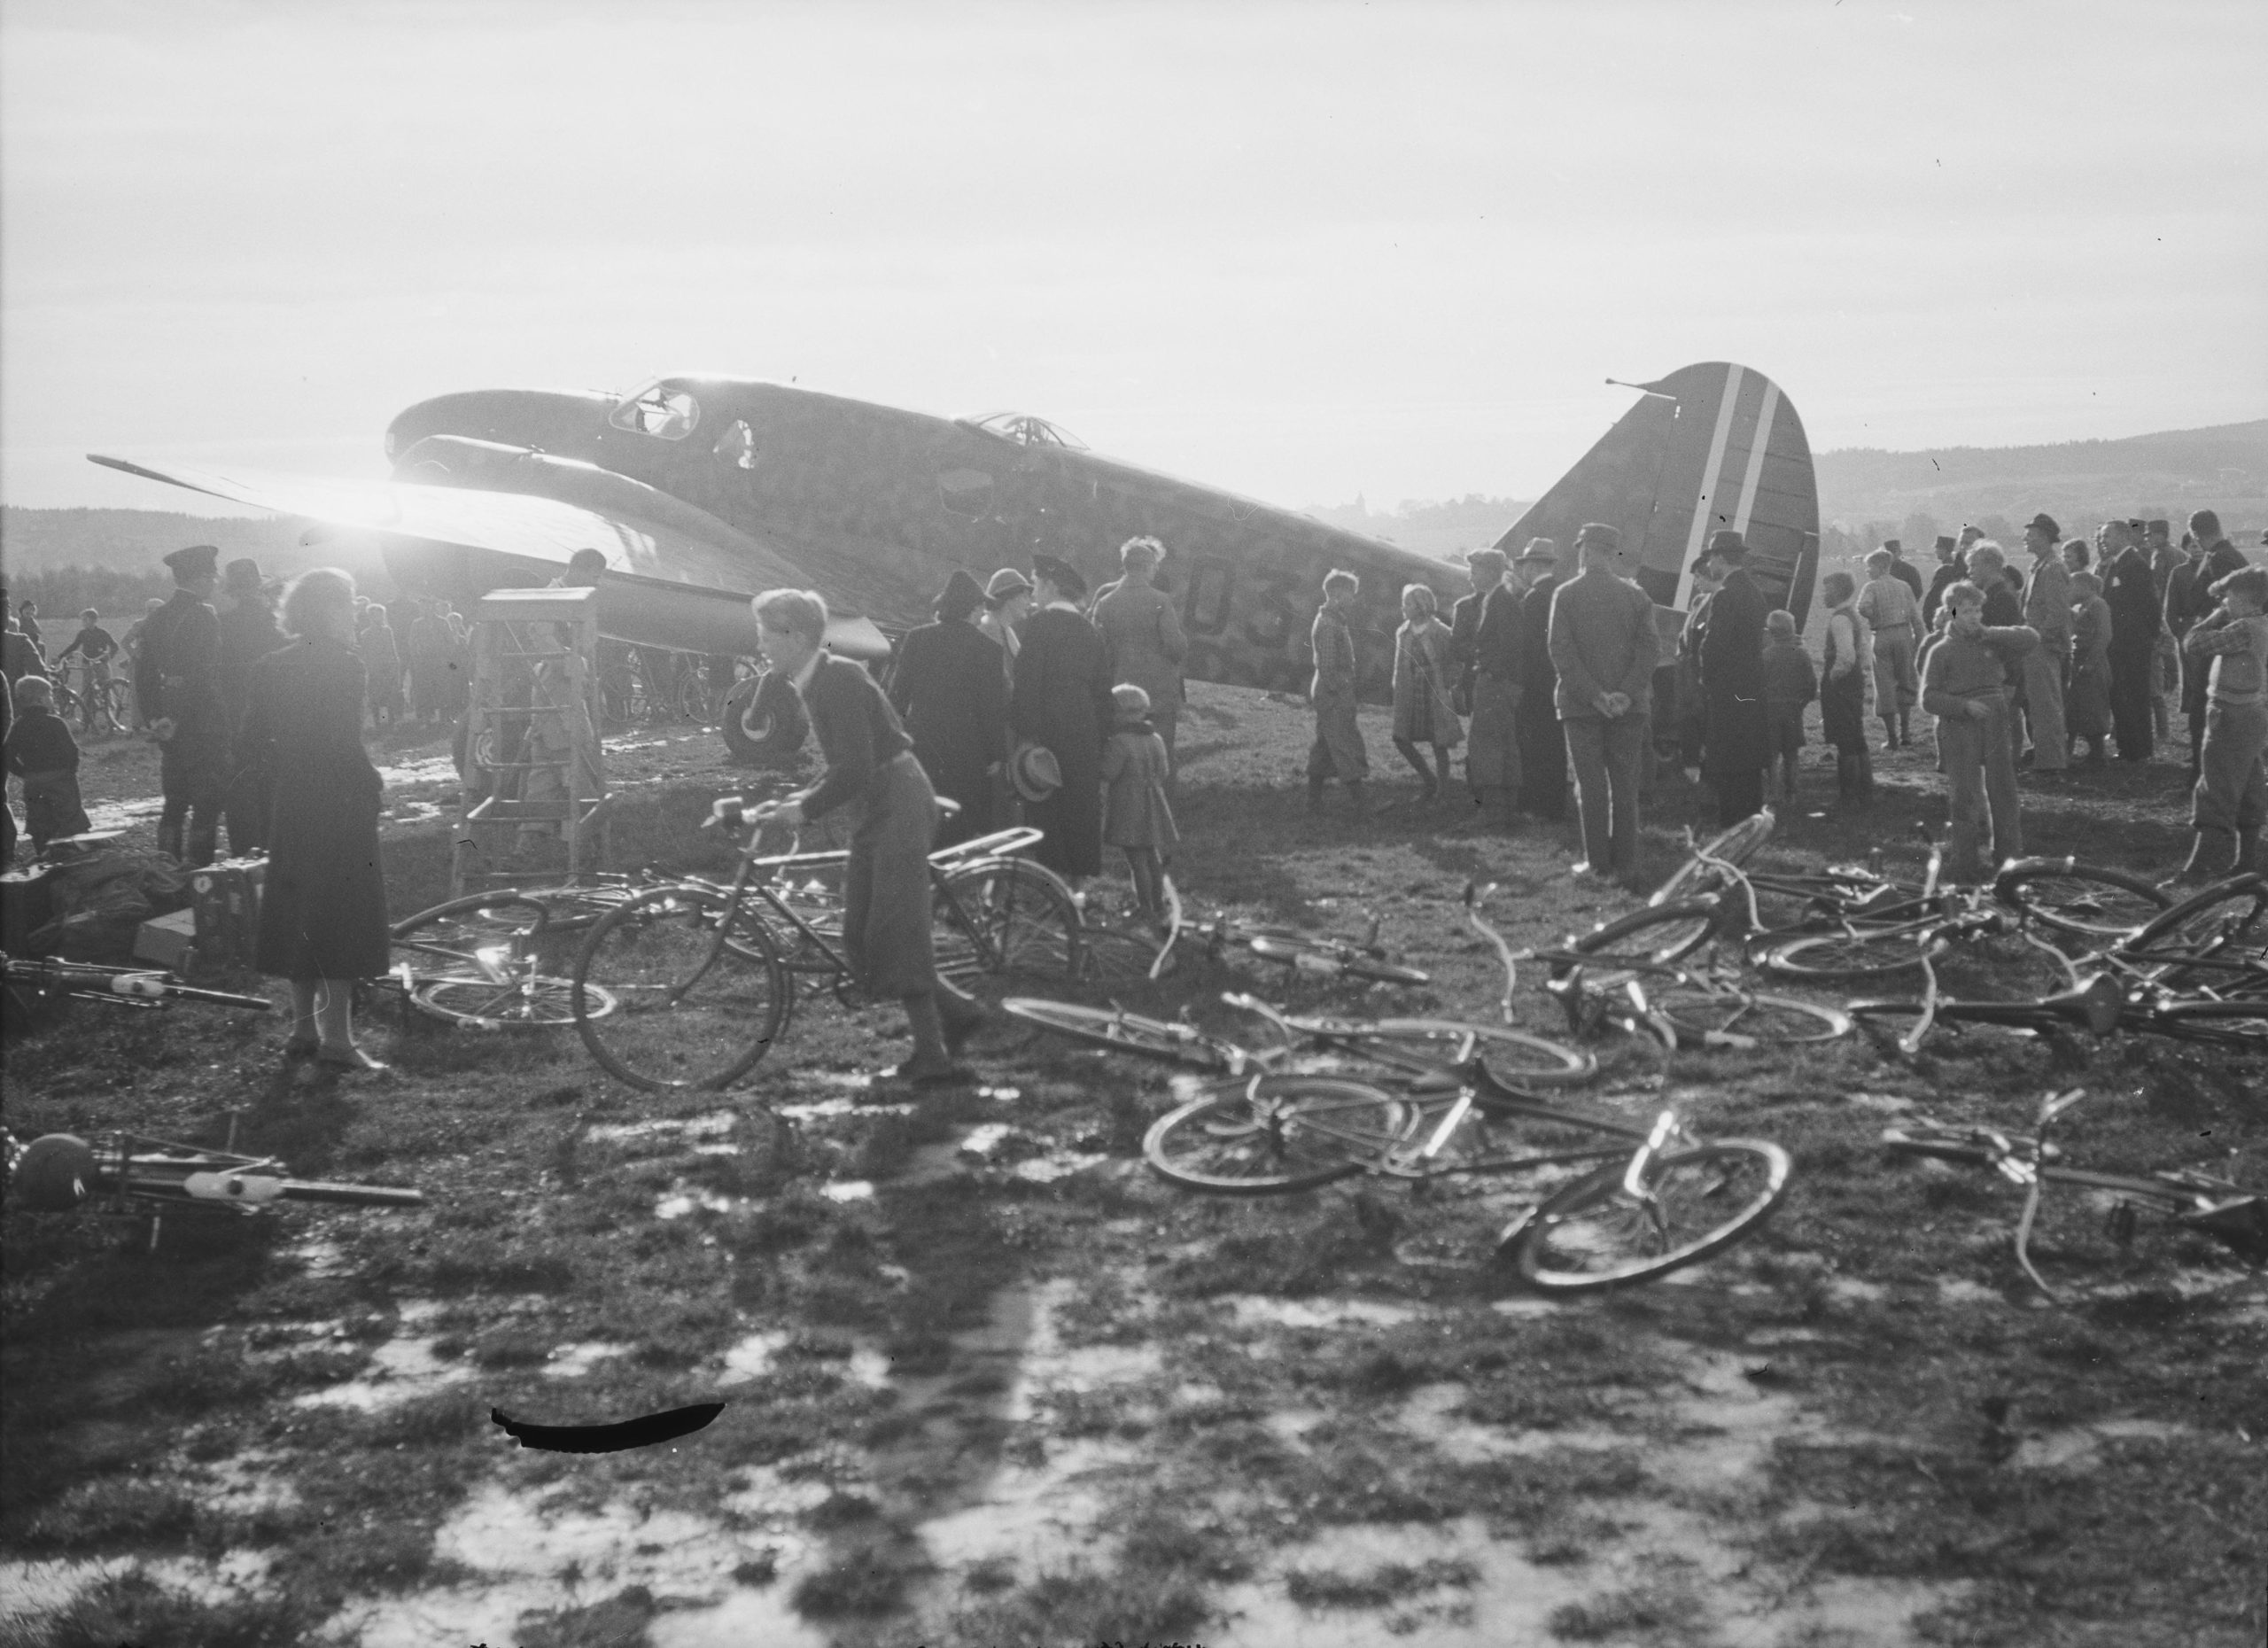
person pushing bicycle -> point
(97, 646)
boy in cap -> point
(2230, 801)
(44, 758)
(1338, 751)
(177, 681)
(98, 646)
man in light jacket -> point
(1604, 644)
(1143, 634)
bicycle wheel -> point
(696, 988)
(2079, 899)
(1422, 1048)
(1161, 1039)
(2230, 915)
(481, 939)
(1274, 1135)
(1714, 1018)
(1657, 936)
(2240, 1024)
(1008, 918)
(528, 1001)
(1695, 879)
(1595, 1234)
(1853, 957)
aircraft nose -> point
(568, 423)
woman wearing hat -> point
(1008, 602)
(951, 691)
(1063, 701)
(886, 890)
(323, 913)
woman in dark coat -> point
(951, 691)
(1734, 752)
(1062, 700)
(322, 914)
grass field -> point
(990, 1382)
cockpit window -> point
(737, 445)
(657, 409)
(1025, 430)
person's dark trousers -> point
(1739, 795)
(2130, 703)
(188, 828)
(1607, 757)
(1543, 757)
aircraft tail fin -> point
(1713, 445)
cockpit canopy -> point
(1024, 430)
(657, 409)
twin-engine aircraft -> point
(701, 491)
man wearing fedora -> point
(176, 679)
(1143, 634)
(2137, 620)
(1061, 699)
(2047, 609)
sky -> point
(1303, 251)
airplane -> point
(703, 490)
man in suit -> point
(1143, 634)
(2047, 609)
(2137, 617)
(1604, 644)
(1732, 683)
(177, 681)
(1543, 749)
(2188, 598)
(1953, 568)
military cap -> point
(2164, 529)
(1945, 541)
(1486, 556)
(197, 561)
(1893, 545)
(1600, 533)
(2044, 521)
(1062, 574)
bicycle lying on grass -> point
(689, 984)
(1400, 1092)
(36, 986)
(501, 960)
(126, 1173)
(2215, 1207)
(1315, 953)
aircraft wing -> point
(665, 586)
(1713, 445)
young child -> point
(2231, 799)
(1137, 818)
(41, 752)
(1789, 684)
(1966, 687)
(2086, 701)
(1848, 668)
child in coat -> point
(44, 755)
(1137, 818)
(1789, 684)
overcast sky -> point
(1302, 251)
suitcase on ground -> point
(226, 900)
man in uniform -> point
(1143, 634)
(176, 681)
(2136, 619)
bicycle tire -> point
(2241, 1024)
(1852, 956)
(446, 943)
(1655, 935)
(1030, 926)
(1589, 1236)
(1741, 1020)
(353, 1195)
(2082, 900)
(1695, 880)
(1161, 1039)
(530, 1003)
(2233, 913)
(688, 1011)
(1274, 1135)
(1419, 1048)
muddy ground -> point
(988, 1381)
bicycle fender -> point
(646, 1431)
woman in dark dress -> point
(951, 691)
(322, 914)
(1062, 700)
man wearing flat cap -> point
(1732, 684)
(1143, 634)
(176, 682)
(1491, 760)
(1061, 699)
(2047, 608)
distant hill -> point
(2079, 482)
(133, 540)
(1444, 531)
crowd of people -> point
(1032, 695)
